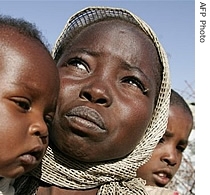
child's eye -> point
(180, 148)
(23, 103)
(48, 120)
(78, 63)
(136, 83)
(162, 140)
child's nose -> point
(39, 128)
(170, 157)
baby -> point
(28, 95)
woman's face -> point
(108, 90)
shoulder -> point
(6, 186)
(153, 190)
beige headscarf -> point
(114, 177)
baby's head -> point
(28, 94)
(167, 156)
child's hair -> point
(177, 100)
(29, 30)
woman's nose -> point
(98, 93)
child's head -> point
(114, 98)
(167, 156)
(29, 85)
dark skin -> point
(28, 94)
(106, 74)
(167, 156)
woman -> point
(112, 108)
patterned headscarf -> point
(113, 177)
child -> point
(167, 156)
(112, 108)
(28, 94)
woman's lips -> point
(84, 119)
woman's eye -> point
(78, 63)
(136, 83)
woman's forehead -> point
(118, 32)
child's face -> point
(103, 111)
(167, 156)
(28, 92)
